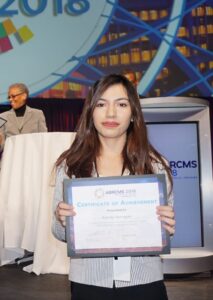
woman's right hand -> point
(62, 211)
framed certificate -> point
(116, 216)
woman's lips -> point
(110, 124)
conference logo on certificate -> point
(116, 216)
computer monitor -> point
(179, 128)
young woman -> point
(112, 140)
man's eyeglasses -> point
(14, 96)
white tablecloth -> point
(26, 191)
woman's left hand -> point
(166, 215)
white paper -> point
(121, 268)
(125, 213)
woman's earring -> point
(131, 120)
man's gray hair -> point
(21, 86)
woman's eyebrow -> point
(117, 99)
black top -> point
(20, 111)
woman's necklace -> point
(98, 175)
(20, 117)
(20, 123)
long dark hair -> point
(139, 155)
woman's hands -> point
(62, 211)
(166, 215)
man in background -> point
(20, 118)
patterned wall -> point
(164, 46)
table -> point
(26, 192)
